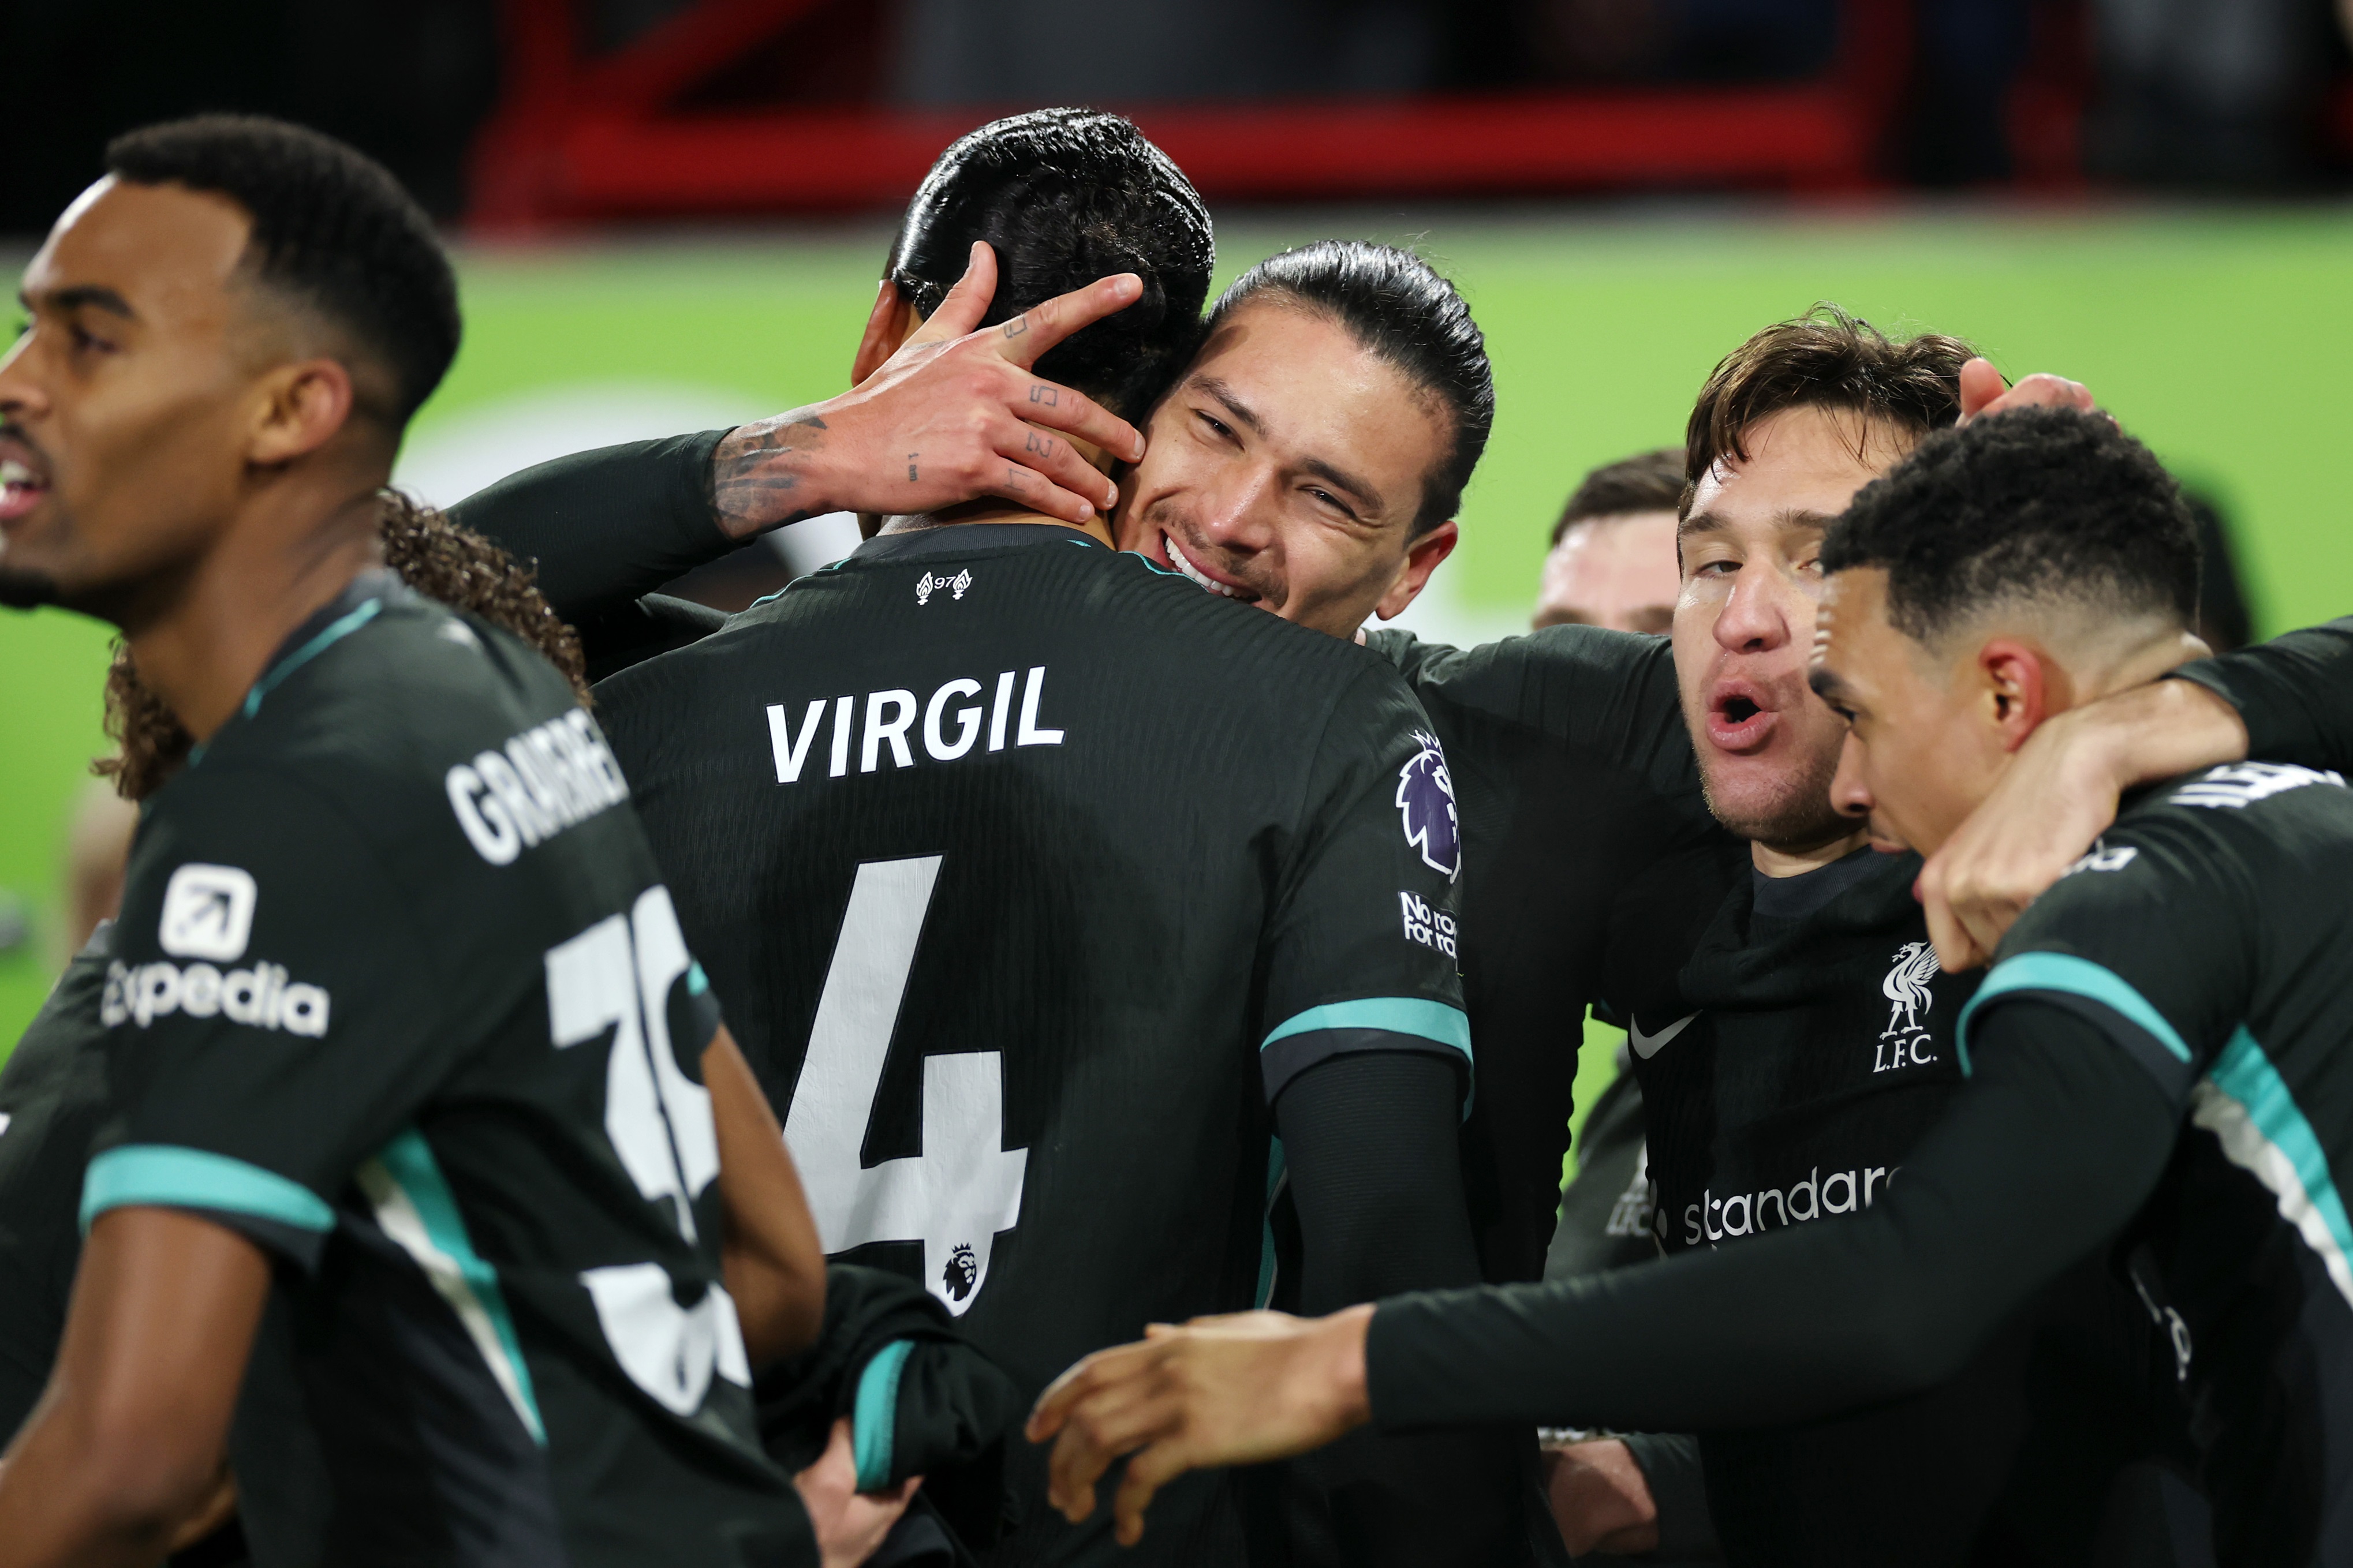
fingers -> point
(1980, 386)
(1147, 1472)
(967, 303)
(1045, 471)
(1956, 948)
(1074, 413)
(1032, 332)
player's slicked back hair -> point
(331, 228)
(1823, 359)
(1065, 197)
(438, 558)
(1647, 481)
(1399, 307)
(2042, 505)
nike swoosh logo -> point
(1647, 1046)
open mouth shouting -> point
(1225, 587)
(1741, 716)
(24, 480)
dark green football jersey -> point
(52, 1103)
(2209, 935)
(397, 995)
(1590, 866)
(1029, 875)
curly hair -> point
(1824, 359)
(433, 556)
(2042, 505)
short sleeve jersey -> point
(2209, 935)
(1030, 875)
(397, 995)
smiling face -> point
(1285, 468)
(1744, 627)
(120, 405)
(1921, 750)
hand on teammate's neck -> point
(201, 635)
(992, 509)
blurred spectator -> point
(1080, 51)
(1613, 551)
(1966, 56)
(2205, 93)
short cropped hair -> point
(1823, 359)
(1399, 309)
(1065, 197)
(2042, 504)
(1647, 481)
(331, 228)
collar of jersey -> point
(968, 539)
(347, 612)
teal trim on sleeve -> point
(1399, 1015)
(2063, 971)
(173, 1177)
(875, 1418)
(2252, 1111)
(697, 982)
(333, 634)
(410, 1192)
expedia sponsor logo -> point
(1777, 1208)
(260, 997)
(207, 913)
(540, 782)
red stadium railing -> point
(576, 139)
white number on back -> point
(617, 975)
(966, 1186)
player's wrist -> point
(777, 471)
(1336, 1373)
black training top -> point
(1820, 1047)
(1031, 876)
(397, 995)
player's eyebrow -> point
(94, 296)
(1244, 413)
(1787, 521)
(1340, 479)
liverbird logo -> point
(1425, 798)
(1906, 986)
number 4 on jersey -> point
(966, 1186)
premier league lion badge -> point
(1425, 798)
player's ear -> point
(297, 409)
(1421, 558)
(891, 323)
(2022, 688)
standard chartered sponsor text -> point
(1714, 1219)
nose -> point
(20, 398)
(1849, 795)
(1756, 617)
(1238, 514)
